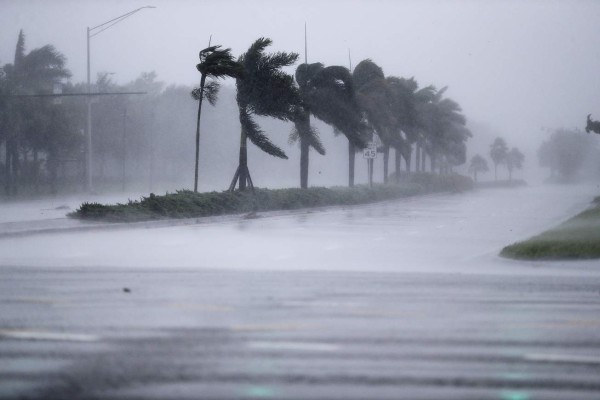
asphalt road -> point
(468, 326)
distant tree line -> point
(500, 154)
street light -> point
(91, 32)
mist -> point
(119, 281)
(520, 68)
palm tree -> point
(498, 153)
(328, 94)
(215, 63)
(478, 164)
(404, 105)
(446, 131)
(591, 125)
(375, 99)
(264, 89)
(514, 160)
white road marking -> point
(564, 358)
(44, 335)
(294, 346)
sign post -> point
(370, 153)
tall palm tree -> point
(498, 153)
(328, 94)
(215, 63)
(375, 99)
(266, 90)
(404, 105)
(446, 130)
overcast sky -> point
(516, 66)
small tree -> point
(498, 152)
(514, 160)
(478, 164)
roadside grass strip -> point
(576, 239)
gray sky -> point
(516, 66)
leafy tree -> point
(567, 152)
(25, 119)
(478, 164)
(263, 89)
(328, 94)
(215, 63)
(514, 160)
(498, 153)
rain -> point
(299, 200)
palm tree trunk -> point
(432, 163)
(398, 159)
(495, 172)
(15, 167)
(351, 156)
(36, 171)
(386, 158)
(243, 168)
(423, 159)
(7, 168)
(202, 80)
(418, 158)
(304, 151)
(407, 158)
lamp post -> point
(91, 32)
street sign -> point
(370, 151)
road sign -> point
(370, 151)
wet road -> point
(399, 300)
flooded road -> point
(441, 233)
(404, 299)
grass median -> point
(576, 239)
(187, 204)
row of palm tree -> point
(364, 105)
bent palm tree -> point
(215, 63)
(328, 94)
(262, 90)
(375, 99)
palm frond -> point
(210, 93)
(258, 137)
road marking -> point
(44, 335)
(201, 307)
(36, 300)
(273, 327)
(295, 346)
(564, 358)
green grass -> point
(187, 204)
(577, 238)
